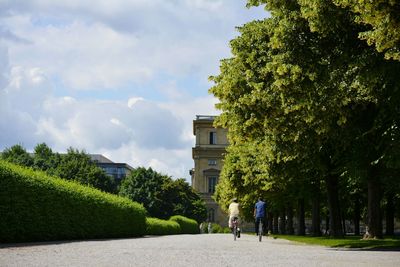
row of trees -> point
(310, 98)
(160, 194)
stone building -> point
(208, 156)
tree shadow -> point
(60, 242)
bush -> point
(162, 227)
(188, 226)
(36, 207)
(215, 228)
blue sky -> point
(121, 78)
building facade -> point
(208, 156)
(116, 170)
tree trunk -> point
(390, 214)
(289, 225)
(343, 224)
(316, 213)
(282, 222)
(332, 186)
(327, 223)
(275, 228)
(357, 216)
(300, 217)
(270, 221)
(374, 221)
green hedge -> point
(162, 227)
(188, 226)
(36, 207)
(215, 228)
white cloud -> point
(121, 78)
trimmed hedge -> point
(162, 227)
(36, 207)
(215, 228)
(188, 226)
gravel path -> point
(189, 250)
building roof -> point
(103, 161)
(99, 158)
(205, 117)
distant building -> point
(208, 156)
(117, 170)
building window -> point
(213, 138)
(212, 162)
(212, 182)
(211, 215)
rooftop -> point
(205, 117)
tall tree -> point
(161, 196)
(17, 154)
(44, 158)
(295, 84)
(77, 165)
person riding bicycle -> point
(234, 213)
(260, 213)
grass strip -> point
(346, 242)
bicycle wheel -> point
(260, 231)
(234, 232)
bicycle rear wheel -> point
(234, 232)
(260, 231)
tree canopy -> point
(162, 196)
(302, 92)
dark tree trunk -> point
(344, 224)
(357, 216)
(316, 212)
(327, 223)
(374, 221)
(275, 228)
(332, 186)
(282, 222)
(390, 214)
(289, 225)
(270, 221)
(300, 217)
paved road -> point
(189, 250)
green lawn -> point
(347, 242)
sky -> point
(121, 78)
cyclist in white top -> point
(233, 211)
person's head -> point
(260, 198)
(235, 199)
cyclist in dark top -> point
(259, 213)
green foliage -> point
(162, 196)
(215, 228)
(162, 227)
(76, 165)
(383, 18)
(182, 200)
(36, 207)
(18, 155)
(188, 226)
(300, 93)
(145, 186)
(44, 159)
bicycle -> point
(235, 223)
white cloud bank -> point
(120, 78)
